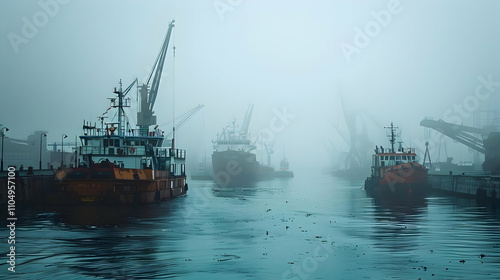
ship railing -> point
(178, 153)
(399, 150)
(130, 132)
(406, 150)
(169, 152)
(132, 151)
(232, 142)
(115, 151)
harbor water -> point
(313, 226)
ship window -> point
(404, 157)
(382, 163)
(391, 157)
(386, 158)
(117, 143)
(142, 143)
(413, 157)
(105, 142)
(398, 157)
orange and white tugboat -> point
(119, 163)
(396, 173)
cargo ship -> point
(119, 163)
(396, 173)
(233, 162)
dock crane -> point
(487, 143)
(460, 133)
(182, 119)
(149, 90)
(246, 121)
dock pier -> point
(30, 185)
(481, 187)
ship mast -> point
(120, 108)
(392, 140)
(121, 105)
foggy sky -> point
(283, 56)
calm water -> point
(317, 227)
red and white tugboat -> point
(122, 164)
(396, 173)
(284, 171)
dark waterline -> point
(317, 227)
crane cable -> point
(173, 102)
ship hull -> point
(283, 174)
(233, 168)
(408, 179)
(113, 185)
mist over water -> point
(327, 228)
(390, 61)
(325, 78)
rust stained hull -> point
(408, 179)
(115, 186)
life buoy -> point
(132, 150)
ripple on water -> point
(273, 230)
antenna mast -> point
(392, 135)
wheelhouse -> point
(404, 155)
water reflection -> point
(261, 233)
(113, 254)
(106, 215)
(396, 227)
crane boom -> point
(185, 117)
(158, 68)
(148, 92)
(129, 87)
(460, 133)
(246, 121)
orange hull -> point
(115, 185)
(403, 179)
(406, 173)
